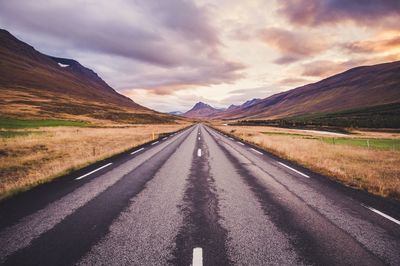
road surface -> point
(202, 198)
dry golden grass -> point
(26, 161)
(377, 171)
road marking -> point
(231, 138)
(164, 138)
(199, 138)
(197, 257)
(137, 151)
(300, 173)
(85, 175)
(199, 152)
(382, 214)
(256, 151)
(241, 143)
(154, 143)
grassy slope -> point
(382, 116)
(356, 88)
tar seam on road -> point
(137, 151)
(294, 170)
(201, 227)
(98, 169)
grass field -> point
(6, 122)
(29, 157)
(347, 159)
(372, 143)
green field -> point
(385, 144)
(22, 123)
(13, 134)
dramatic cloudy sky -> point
(169, 54)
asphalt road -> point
(197, 197)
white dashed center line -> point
(164, 138)
(137, 151)
(154, 143)
(382, 214)
(197, 257)
(85, 175)
(199, 152)
(241, 143)
(294, 170)
(231, 138)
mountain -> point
(360, 87)
(35, 85)
(202, 111)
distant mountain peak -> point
(202, 110)
(201, 105)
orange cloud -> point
(326, 68)
(293, 46)
(374, 46)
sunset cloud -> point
(292, 45)
(371, 46)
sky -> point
(169, 54)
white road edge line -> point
(164, 138)
(382, 214)
(300, 173)
(256, 151)
(199, 152)
(241, 143)
(154, 143)
(85, 175)
(197, 257)
(231, 138)
(137, 151)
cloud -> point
(157, 45)
(293, 45)
(293, 81)
(319, 12)
(373, 46)
(326, 68)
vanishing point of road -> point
(197, 197)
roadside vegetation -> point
(364, 160)
(30, 156)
